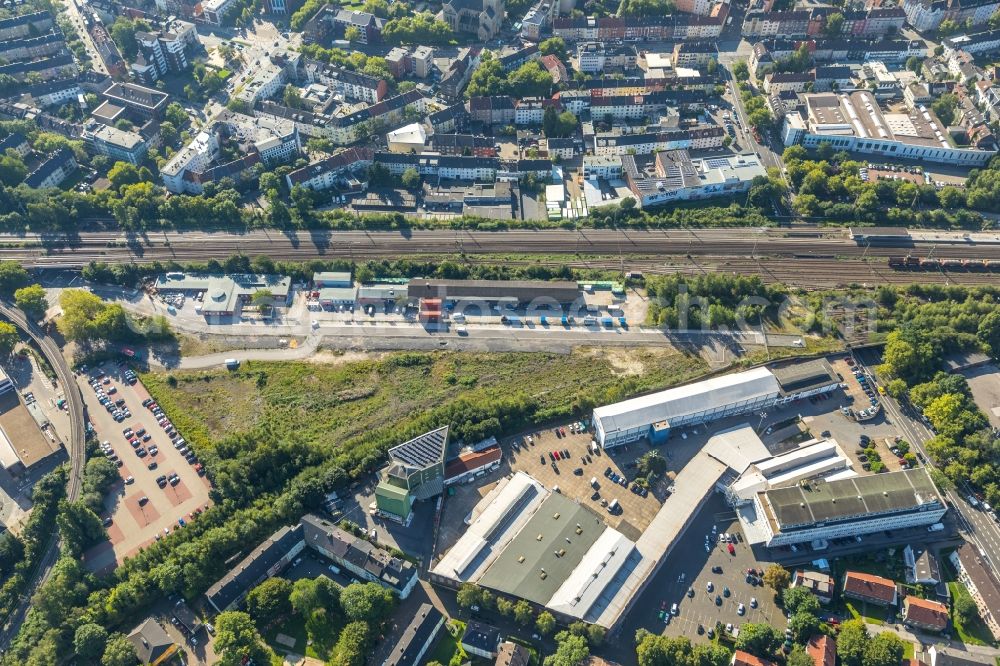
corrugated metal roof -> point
(684, 400)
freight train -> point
(921, 264)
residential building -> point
(152, 644)
(978, 43)
(142, 101)
(926, 15)
(417, 639)
(422, 61)
(217, 12)
(564, 149)
(415, 472)
(59, 166)
(463, 144)
(602, 166)
(17, 142)
(459, 72)
(331, 22)
(481, 640)
(870, 588)
(521, 56)
(832, 77)
(536, 20)
(786, 24)
(119, 145)
(822, 649)
(921, 566)
(741, 658)
(512, 654)
(352, 85)
(978, 578)
(265, 79)
(694, 54)
(25, 25)
(32, 48)
(854, 122)
(458, 167)
(925, 614)
(55, 67)
(163, 51)
(481, 18)
(52, 93)
(556, 69)
(452, 118)
(820, 584)
(594, 57)
(780, 82)
(326, 173)
(671, 27)
(365, 560)
(496, 110)
(397, 60)
(673, 176)
(531, 110)
(270, 557)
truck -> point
(565, 321)
(608, 322)
(232, 363)
(613, 507)
(936, 527)
(544, 321)
(589, 321)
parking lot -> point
(984, 383)
(139, 509)
(688, 571)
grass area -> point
(813, 345)
(909, 649)
(447, 646)
(860, 609)
(975, 633)
(338, 405)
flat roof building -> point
(522, 291)
(843, 508)
(708, 400)
(225, 295)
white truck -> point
(936, 527)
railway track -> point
(77, 456)
(64, 252)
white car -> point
(741, 609)
(753, 602)
(673, 610)
(129, 480)
(709, 586)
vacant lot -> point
(341, 404)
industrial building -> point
(225, 295)
(653, 416)
(846, 507)
(415, 472)
(527, 542)
(493, 291)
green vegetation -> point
(421, 28)
(89, 321)
(654, 650)
(646, 8)
(965, 618)
(555, 124)
(712, 300)
(528, 80)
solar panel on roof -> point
(423, 450)
(717, 162)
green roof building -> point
(415, 472)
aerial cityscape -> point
(500, 332)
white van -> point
(232, 363)
(458, 318)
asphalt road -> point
(72, 252)
(976, 526)
(77, 456)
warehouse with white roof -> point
(653, 416)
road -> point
(76, 18)
(77, 456)
(33, 250)
(976, 526)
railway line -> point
(74, 252)
(77, 456)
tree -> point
(777, 577)
(12, 277)
(411, 179)
(123, 33)
(369, 602)
(885, 649)
(32, 300)
(799, 657)
(948, 27)
(468, 595)
(89, 641)
(545, 623)
(627, 204)
(741, 71)
(553, 46)
(523, 613)
(78, 525)
(176, 114)
(86, 317)
(352, 645)
(571, 650)
(262, 298)
(944, 108)
(8, 339)
(118, 652)
(965, 609)
(851, 642)
(652, 464)
(352, 34)
(311, 594)
(834, 24)
(914, 64)
(269, 601)
(758, 639)
(236, 640)
(799, 600)
(292, 97)
(803, 625)
(12, 170)
(988, 332)
(994, 21)
(712, 66)
(122, 174)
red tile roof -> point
(741, 658)
(925, 613)
(468, 462)
(823, 650)
(870, 587)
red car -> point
(732, 551)
(556, 454)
